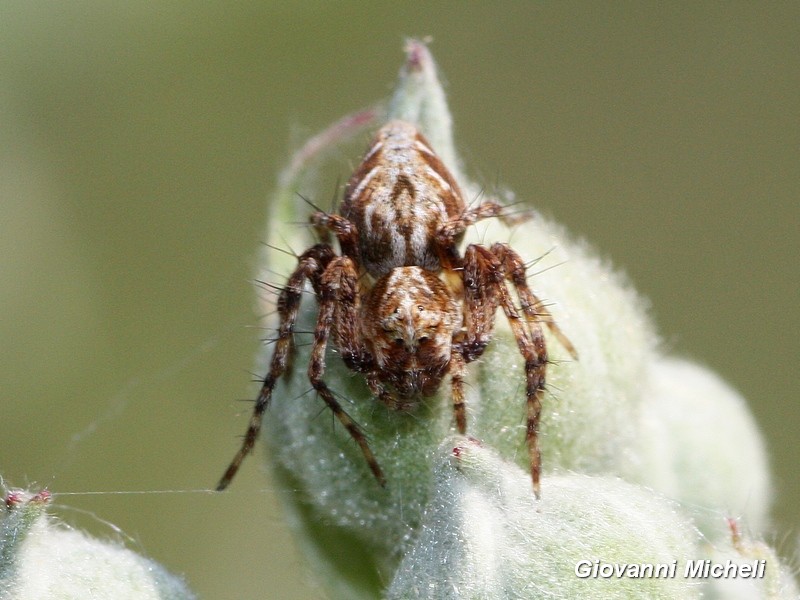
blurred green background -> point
(139, 142)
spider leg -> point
(458, 370)
(473, 214)
(349, 337)
(534, 309)
(487, 271)
(338, 305)
(379, 390)
(344, 230)
(482, 280)
(451, 232)
(311, 264)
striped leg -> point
(534, 309)
(458, 370)
(311, 265)
(339, 302)
(484, 272)
(343, 229)
(451, 232)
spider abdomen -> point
(398, 199)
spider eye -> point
(424, 339)
(398, 341)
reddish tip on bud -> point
(43, 497)
(16, 498)
(736, 533)
(417, 54)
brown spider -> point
(401, 221)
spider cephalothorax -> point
(402, 306)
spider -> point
(424, 311)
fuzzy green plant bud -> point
(41, 559)
(700, 445)
(483, 536)
(773, 580)
(613, 419)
